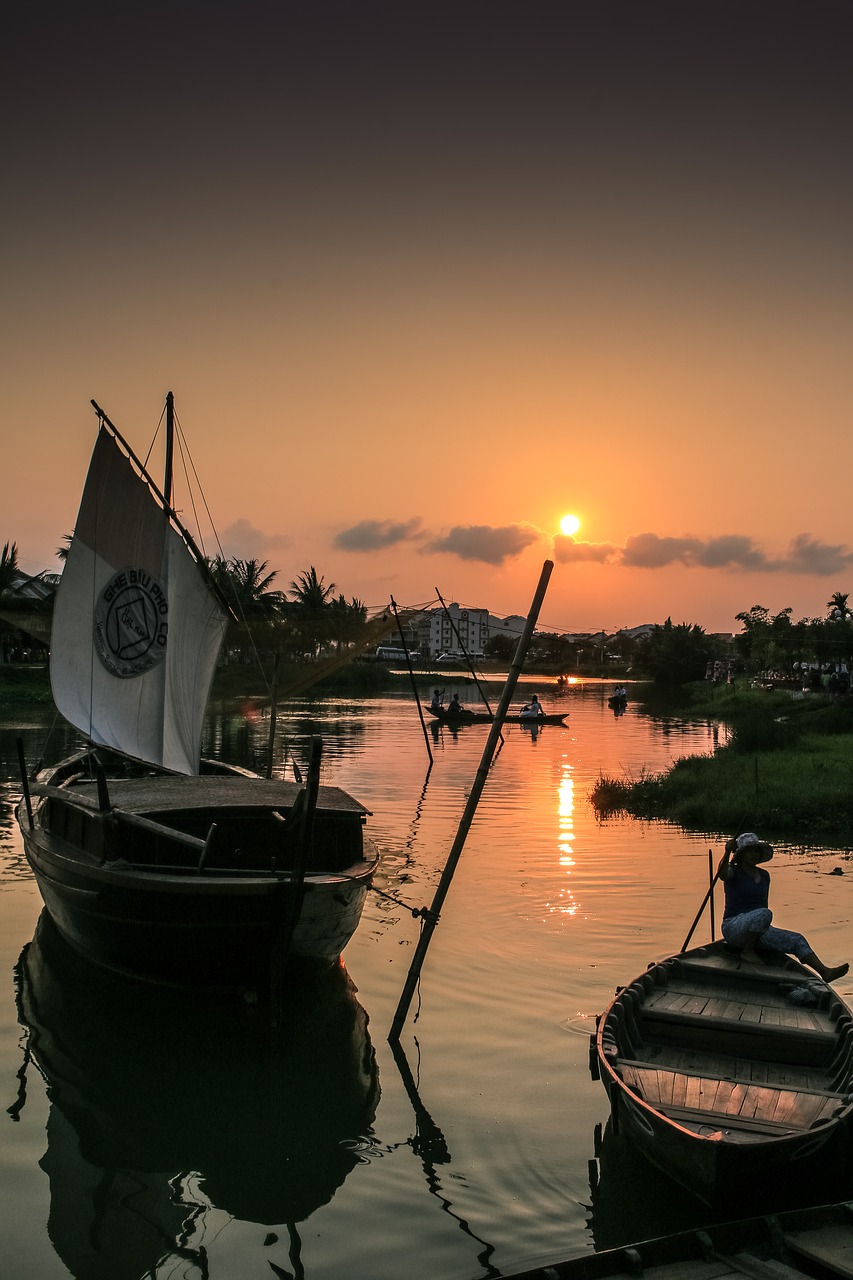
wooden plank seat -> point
(713, 967)
(769, 1006)
(639, 1022)
(660, 1070)
(762, 1042)
(730, 1103)
(712, 1060)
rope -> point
(423, 912)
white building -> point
(464, 628)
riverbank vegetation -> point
(786, 769)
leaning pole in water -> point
(431, 918)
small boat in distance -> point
(151, 861)
(726, 1074)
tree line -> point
(313, 616)
(301, 622)
(768, 642)
(310, 617)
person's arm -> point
(726, 869)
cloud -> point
(375, 535)
(807, 555)
(242, 541)
(569, 551)
(733, 551)
(485, 542)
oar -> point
(686, 943)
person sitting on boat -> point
(455, 707)
(747, 919)
(533, 710)
(435, 702)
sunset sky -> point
(426, 277)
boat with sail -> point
(150, 860)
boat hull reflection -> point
(631, 1200)
(165, 1111)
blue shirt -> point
(745, 894)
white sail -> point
(136, 629)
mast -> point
(170, 439)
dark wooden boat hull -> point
(135, 901)
(798, 1243)
(482, 717)
(718, 1080)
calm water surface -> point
(149, 1136)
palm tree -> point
(246, 585)
(837, 606)
(8, 565)
(310, 591)
(62, 552)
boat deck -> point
(165, 793)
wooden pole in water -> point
(431, 919)
(273, 715)
(412, 678)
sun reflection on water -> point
(566, 904)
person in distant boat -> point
(747, 919)
(455, 706)
(435, 702)
(533, 708)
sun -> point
(569, 525)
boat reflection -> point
(163, 1114)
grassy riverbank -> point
(787, 770)
(24, 686)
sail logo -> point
(131, 623)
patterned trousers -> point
(736, 929)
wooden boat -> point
(483, 717)
(150, 861)
(722, 1073)
(617, 701)
(799, 1244)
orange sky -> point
(425, 277)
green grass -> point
(787, 771)
(23, 686)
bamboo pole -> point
(412, 678)
(25, 782)
(709, 895)
(273, 715)
(711, 879)
(453, 857)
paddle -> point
(686, 943)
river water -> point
(154, 1136)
